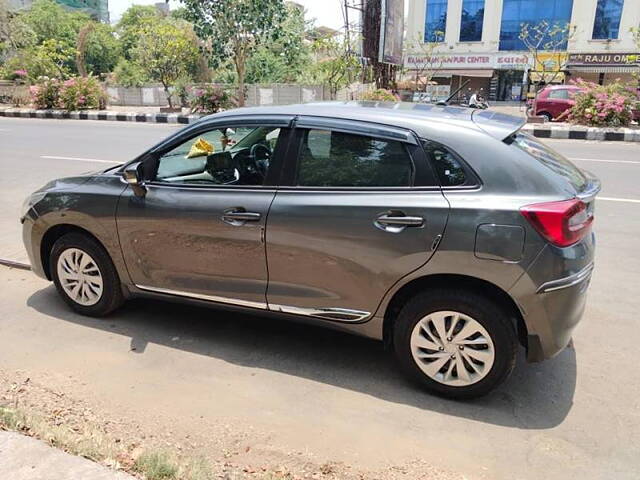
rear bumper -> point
(551, 309)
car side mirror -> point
(133, 176)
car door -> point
(558, 101)
(355, 212)
(199, 229)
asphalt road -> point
(337, 396)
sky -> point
(326, 12)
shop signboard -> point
(518, 61)
(476, 61)
(608, 59)
(392, 31)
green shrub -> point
(603, 106)
(82, 93)
(45, 94)
(129, 74)
(77, 93)
(379, 95)
(211, 99)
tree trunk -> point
(240, 70)
(166, 91)
(81, 48)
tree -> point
(13, 32)
(48, 20)
(131, 24)
(423, 58)
(81, 48)
(285, 59)
(335, 66)
(635, 32)
(235, 29)
(56, 42)
(103, 49)
(165, 51)
(547, 44)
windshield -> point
(550, 159)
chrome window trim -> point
(566, 282)
(193, 186)
(210, 298)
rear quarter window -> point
(550, 159)
(449, 167)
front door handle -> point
(238, 216)
(396, 222)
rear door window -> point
(551, 159)
(336, 159)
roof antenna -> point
(444, 103)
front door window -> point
(223, 156)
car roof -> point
(427, 120)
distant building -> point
(480, 41)
(97, 9)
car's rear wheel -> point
(455, 343)
(84, 275)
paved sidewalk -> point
(25, 458)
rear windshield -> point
(550, 159)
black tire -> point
(547, 116)
(111, 297)
(490, 315)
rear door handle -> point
(396, 222)
(238, 216)
(405, 221)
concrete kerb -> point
(578, 132)
(107, 115)
(557, 131)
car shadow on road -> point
(537, 396)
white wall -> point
(582, 16)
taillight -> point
(562, 223)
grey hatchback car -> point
(447, 233)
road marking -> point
(604, 161)
(609, 199)
(76, 159)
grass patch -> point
(156, 465)
(11, 419)
(97, 446)
(88, 444)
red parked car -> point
(554, 100)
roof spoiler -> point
(499, 125)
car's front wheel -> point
(547, 116)
(84, 275)
(456, 343)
